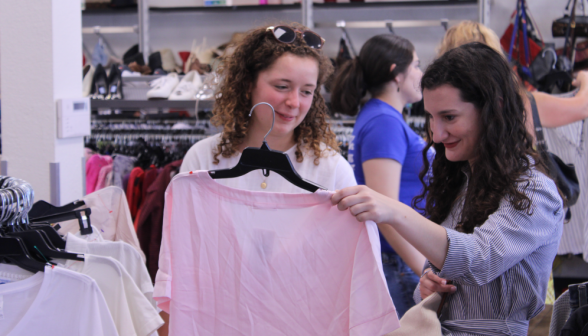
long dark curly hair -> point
(504, 150)
(257, 52)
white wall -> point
(41, 48)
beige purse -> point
(422, 319)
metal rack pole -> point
(484, 12)
(143, 12)
(307, 18)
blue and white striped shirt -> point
(501, 270)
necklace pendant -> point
(263, 185)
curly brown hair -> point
(505, 151)
(257, 52)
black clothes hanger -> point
(38, 246)
(82, 215)
(42, 208)
(13, 250)
(52, 235)
(37, 242)
(266, 159)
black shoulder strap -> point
(541, 144)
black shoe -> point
(133, 55)
(99, 83)
(155, 61)
(115, 90)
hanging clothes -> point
(134, 188)
(122, 252)
(132, 313)
(150, 221)
(104, 177)
(110, 215)
(93, 167)
(56, 302)
(569, 143)
(259, 263)
(148, 179)
(121, 166)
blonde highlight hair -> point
(467, 32)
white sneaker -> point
(163, 87)
(188, 87)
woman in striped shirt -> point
(501, 217)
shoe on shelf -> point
(188, 87)
(133, 55)
(87, 82)
(160, 72)
(155, 61)
(168, 61)
(143, 69)
(163, 86)
(99, 83)
(125, 71)
(115, 90)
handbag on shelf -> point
(562, 173)
(559, 26)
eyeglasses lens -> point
(284, 34)
(312, 40)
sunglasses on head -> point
(287, 34)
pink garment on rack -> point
(103, 177)
(93, 167)
(236, 262)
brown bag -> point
(422, 319)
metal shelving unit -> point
(150, 104)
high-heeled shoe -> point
(115, 90)
(88, 80)
(100, 83)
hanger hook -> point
(273, 116)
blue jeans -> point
(401, 282)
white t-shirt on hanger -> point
(56, 302)
(124, 253)
(132, 313)
(95, 236)
(333, 171)
(111, 215)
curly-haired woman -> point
(282, 66)
(501, 217)
(386, 154)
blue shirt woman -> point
(380, 132)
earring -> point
(398, 89)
